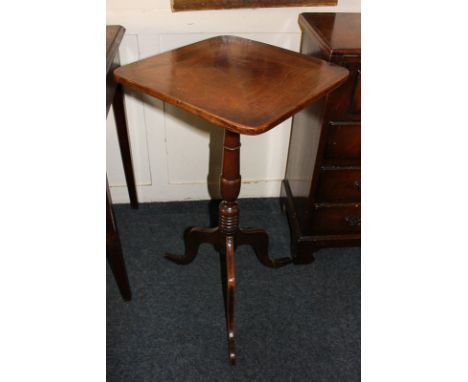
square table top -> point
(241, 85)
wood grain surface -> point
(239, 84)
(188, 5)
(337, 33)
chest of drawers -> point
(322, 187)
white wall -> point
(173, 156)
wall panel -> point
(166, 166)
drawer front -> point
(336, 220)
(345, 102)
(339, 186)
(343, 141)
(356, 100)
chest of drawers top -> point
(337, 34)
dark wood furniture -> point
(114, 97)
(189, 5)
(234, 83)
(322, 189)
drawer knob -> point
(357, 184)
(353, 220)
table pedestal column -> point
(228, 236)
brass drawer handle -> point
(353, 220)
(357, 184)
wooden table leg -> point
(193, 238)
(228, 235)
(231, 288)
(124, 143)
(114, 250)
(258, 239)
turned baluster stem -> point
(229, 225)
(230, 184)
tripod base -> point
(228, 236)
(257, 238)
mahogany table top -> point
(242, 85)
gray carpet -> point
(296, 323)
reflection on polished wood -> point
(242, 85)
(335, 33)
(246, 87)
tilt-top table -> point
(245, 87)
